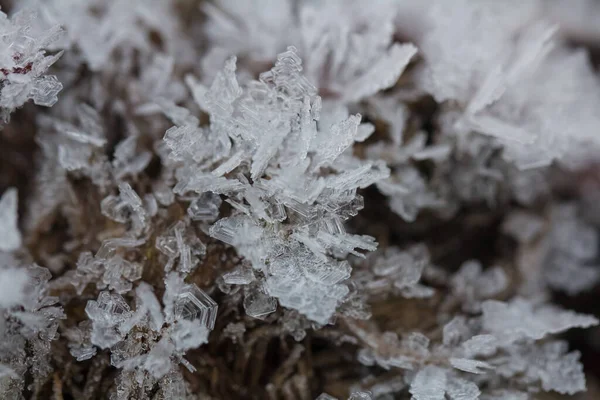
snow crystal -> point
(193, 303)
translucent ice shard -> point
(45, 91)
(429, 384)
(521, 319)
(205, 207)
(107, 314)
(468, 365)
(460, 389)
(193, 303)
(239, 276)
(258, 304)
(127, 206)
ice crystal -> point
(474, 285)
(276, 121)
(569, 263)
(117, 26)
(193, 304)
(396, 272)
(12, 286)
(128, 206)
(429, 384)
(30, 319)
(349, 51)
(520, 319)
(491, 74)
(258, 304)
(205, 207)
(183, 323)
(23, 63)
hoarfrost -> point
(521, 319)
(429, 384)
(276, 121)
(23, 63)
(349, 51)
(255, 199)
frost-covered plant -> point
(30, 316)
(292, 182)
(299, 198)
(500, 80)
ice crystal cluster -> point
(299, 199)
